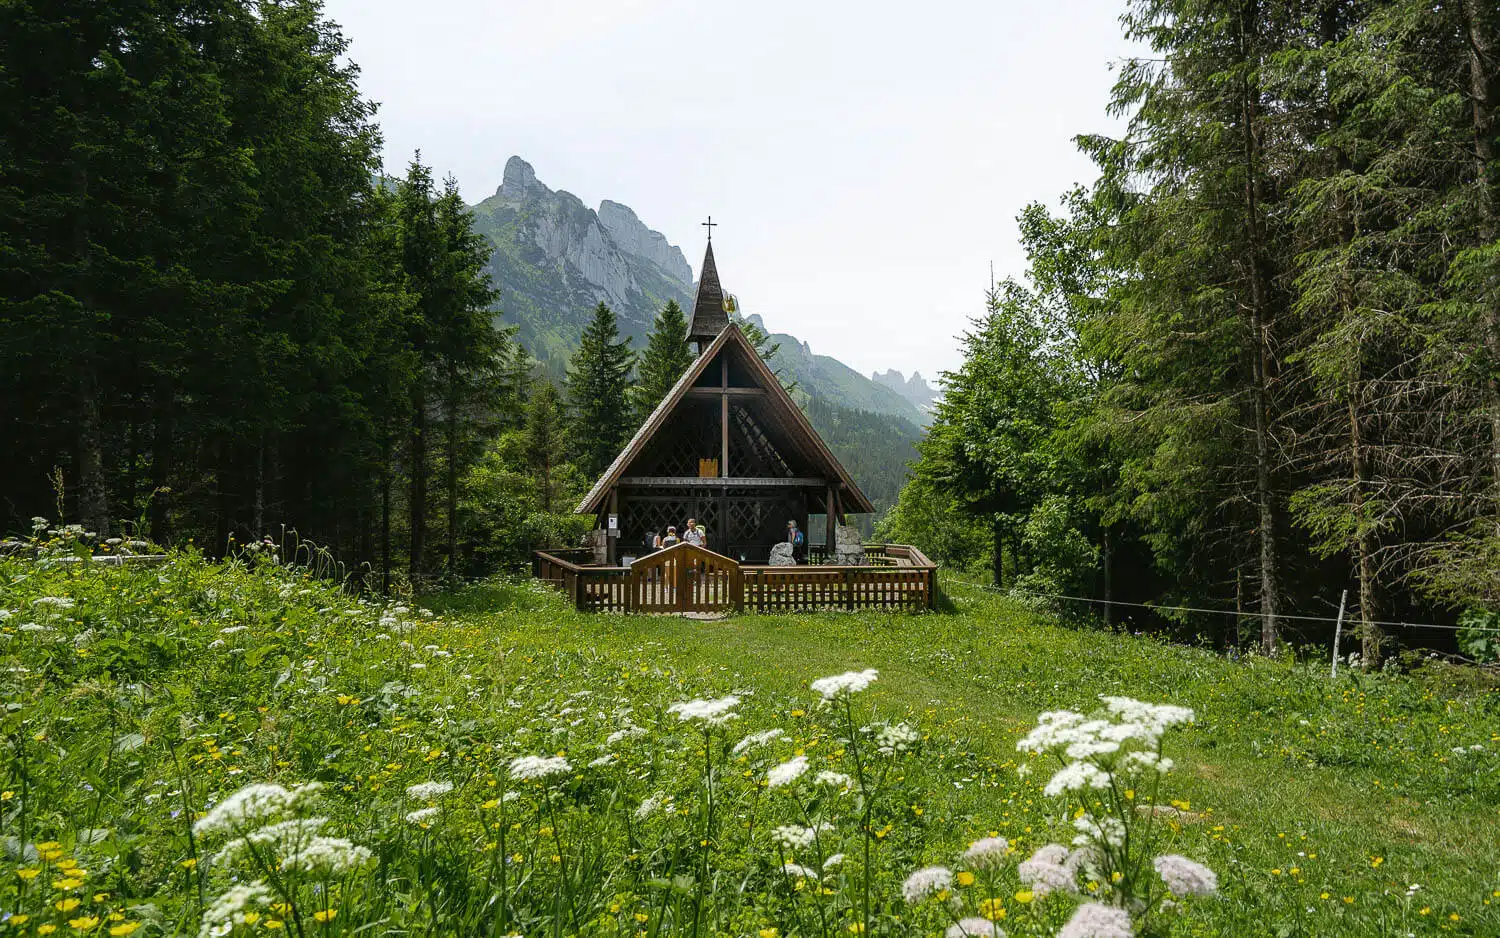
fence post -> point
(1338, 627)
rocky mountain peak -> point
(914, 389)
(627, 230)
(519, 181)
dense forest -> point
(1258, 362)
(219, 321)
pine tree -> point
(546, 443)
(667, 355)
(599, 392)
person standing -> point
(692, 533)
(794, 537)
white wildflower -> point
(928, 881)
(710, 712)
(1144, 760)
(1076, 776)
(839, 685)
(796, 869)
(284, 838)
(756, 739)
(891, 738)
(1051, 727)
(56, 602)
(1096, 920)
(973, 927)
(254, 805)
(794, 837)
(1158, 716)
(833, 861)
(1186, 877)
(607, 759)
(630, 731)
(1107, 830)
(333, 855)
(1045, 871)
(787, 772)
(834, 779)
(234, 630)
(652, 804)
(524, 768)
(987, 853)
(228, 910)
(428, 791)
(423, 815)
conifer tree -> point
(667, 355)
(546, 443)
(599, 392)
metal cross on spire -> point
(710, 226)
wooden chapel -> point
(727, 446)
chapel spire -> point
(709, 316)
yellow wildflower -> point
(326, 915)
(125, 928)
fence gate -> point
(685, 578)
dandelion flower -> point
(928, 881)
(1096, 920)
(787, 772)
(1186, 877)
(974, 927)
(524, 768)
(987, 853)
(428, 791)
(710, 712)
(840, 685)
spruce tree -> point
(667, 355)
(599, 392)
(546, 443)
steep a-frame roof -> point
(789, 417)
(709, 317)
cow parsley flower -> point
(652, 804)
(1159, 716)
(987, 853)
(891, 738)
(833, 861)
(630, 731)
(284, 838)
(799, 871)
(253, 805)
(787, 772)
(228, 910)
(756, 739)
(973, 927)
(1052, 728)
(1186, 877)
(525, 768)
(1105, 830)
(794, 837)
(834, 779)
(1096, 920)
(928, 881)
(842, 685)
(1076, 776)
(56, 602)
(333, 855)
(428, 791)
(709, 712)
(1046, 871)
(423, 815)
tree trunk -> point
(1482, 83)
(93, 497)
(385, 508)
(1265, 492)
(1373, 641)
(1107, 558)
(161, 461)
(999, 566)
(417, 510)
(453, 404)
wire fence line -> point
(1219, 612)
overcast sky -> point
(866, 161)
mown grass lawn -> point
(139, 699)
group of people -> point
(692, 533)
(696, 534)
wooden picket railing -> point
(687, 578)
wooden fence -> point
(686, 578)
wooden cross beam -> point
(710, 226)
